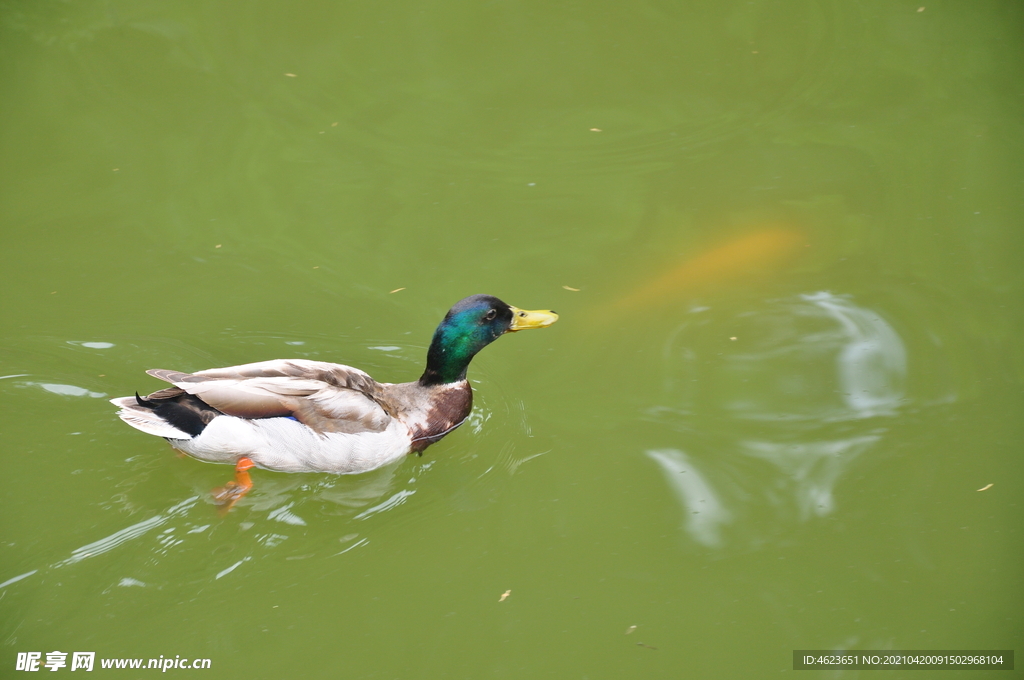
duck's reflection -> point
(803, 384)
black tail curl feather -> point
(188, 413)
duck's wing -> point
(325, 397)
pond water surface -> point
(782, 408)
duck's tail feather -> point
(138, 413)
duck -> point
(299, 415)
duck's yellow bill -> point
(525, 318)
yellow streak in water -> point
(755, 250)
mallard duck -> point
(296, 415)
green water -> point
(791, 360)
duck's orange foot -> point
(226, 496)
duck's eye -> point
(489, 316)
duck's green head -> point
(472, 324)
